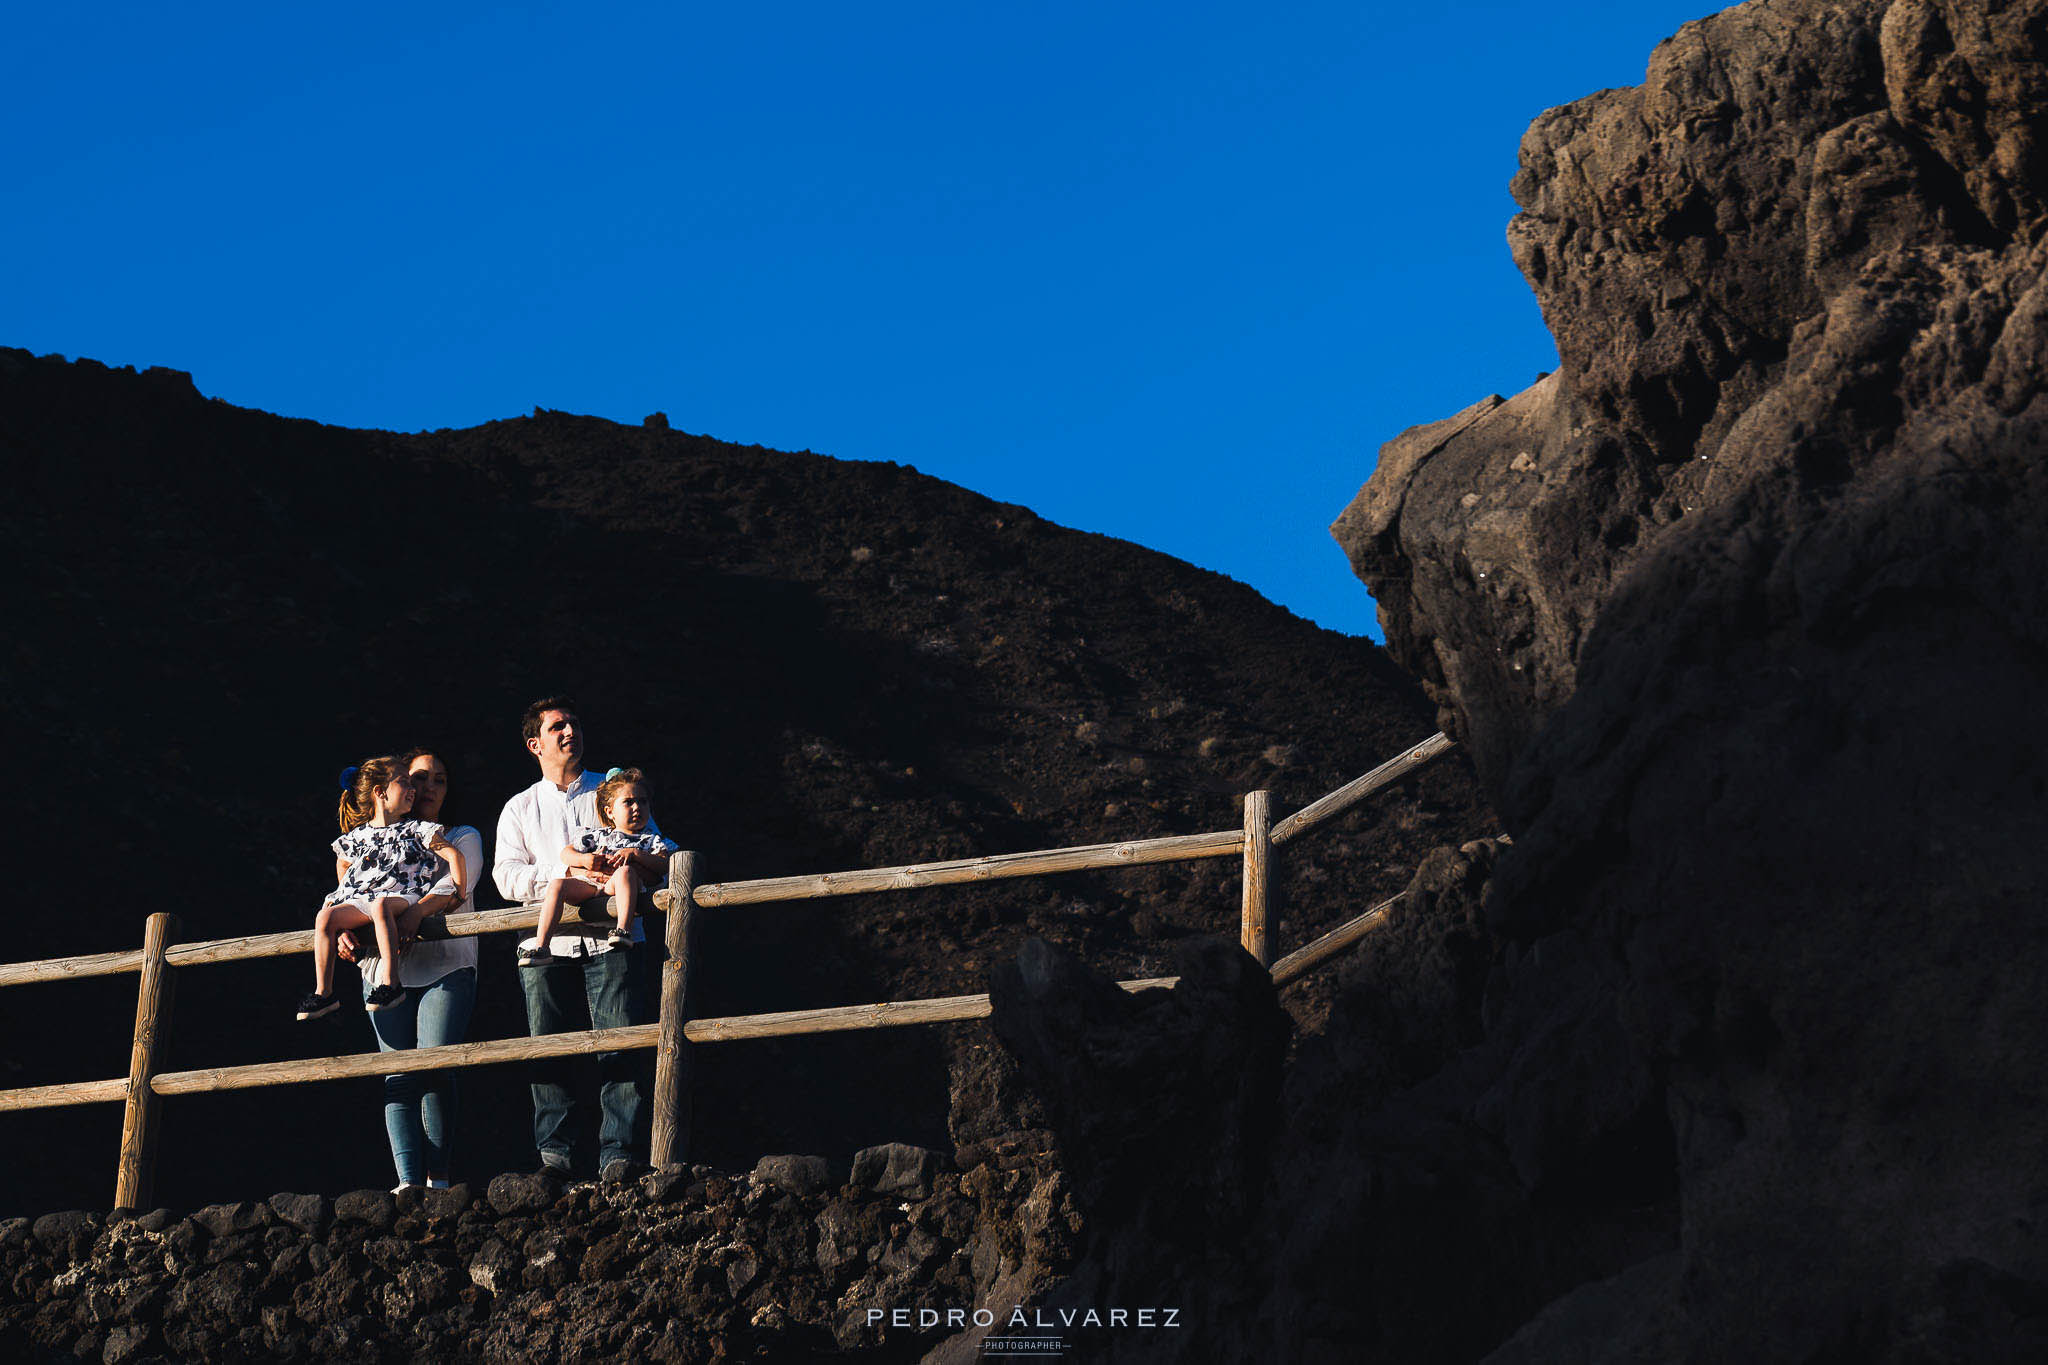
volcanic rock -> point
(1742, 611)
(897, 1168)
(606, 1272)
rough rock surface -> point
(1801, 260)
(1449, 1155)
(1743, 612)
(684, 1264)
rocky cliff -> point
(1742, 611)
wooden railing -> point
(143, 1086)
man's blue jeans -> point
(611, 988)
(419, 1106)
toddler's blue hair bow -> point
(613, 773)
(348, 777)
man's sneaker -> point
(313, 1006)
(622, 1168)
(535, 957)
(384, 997)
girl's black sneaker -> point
(313, 1006)
(384, 997)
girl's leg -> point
(396, 1029)
(626, 890)
(328, 927)
(550, 912)
(324, 951)
(444, 1011)
(384, 913)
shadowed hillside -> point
(821, 664)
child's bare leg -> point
(384, 913)
(324, 950)
(550, 912)
(328, 927)
(626, 891)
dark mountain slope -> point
(822, 664)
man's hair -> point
(529, 722)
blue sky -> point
(1169, 272)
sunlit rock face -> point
(1800, 253)
(1741, 612)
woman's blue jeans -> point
(419, 1106)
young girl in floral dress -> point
(621, 855)
(385, 864)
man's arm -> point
(513, 866)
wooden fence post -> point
(134, 1181)
(1258, 855)
(671, 1053)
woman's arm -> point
(471, 845)
(458, 866)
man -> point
(534, 828)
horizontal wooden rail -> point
(1131, 853)
(70, 968)
(890, 1014)
(1351, 793)
(258, 946)
(410, 1059)
(57, 1096)
(727, 1029)
(1310, 956)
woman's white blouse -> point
(425, 963)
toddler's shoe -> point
(619, 938)
(384, 997)
(535, 957)
(312, 1006)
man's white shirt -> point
(534, 828)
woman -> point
(439, 976)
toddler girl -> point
(622, 854)
(385, 864)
